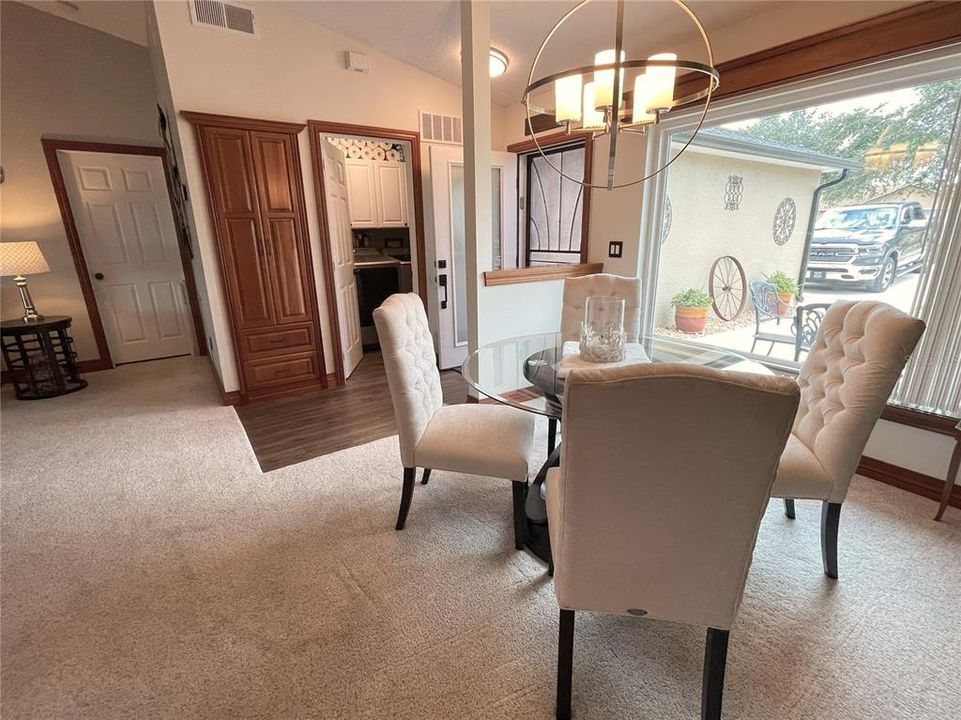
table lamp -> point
(19, 259)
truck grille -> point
(831, 254)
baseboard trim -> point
(905, 479)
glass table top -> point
(524, 371)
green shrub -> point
(783, 283)
(692, 298)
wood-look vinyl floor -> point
(290, 430)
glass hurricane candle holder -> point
(602, 330)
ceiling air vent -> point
(228, 16)
(441, 128)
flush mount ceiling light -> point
(590, 106)
(498, 63)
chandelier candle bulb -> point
(567, 98)
(662, 83)
(642, 101)
(592, 119)
(604, 80)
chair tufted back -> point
(412, 376)
(857, 356)
(577, 290)
(657, 503)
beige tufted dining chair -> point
(476, 439)
(576, 292)
(857, 357)
(655, 508)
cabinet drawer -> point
(286, 341)
(280, 371)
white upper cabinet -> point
(377, 193)
(361, 196)
(391, 185)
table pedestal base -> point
(538, 539)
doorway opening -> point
(131, 257)
(370, 207)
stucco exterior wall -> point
(703, 230)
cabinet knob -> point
(98, 275)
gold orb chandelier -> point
(591, 107)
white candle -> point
(567, 98)
(662, 83)
(592, 119)
(604, 80)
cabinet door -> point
(285, 241)
(391, 187)
(233, 194)
(361, 193)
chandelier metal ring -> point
(706, 94)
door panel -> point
(274, 167)
(288, 265)
(337, 175)
(229, 150)
(131, 249)
(447, 189)
(247, 282)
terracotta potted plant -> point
(787, 289)
(690, 310)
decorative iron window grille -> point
(554, 208)
(733, 192)
(785, 217)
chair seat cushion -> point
(800, 474)
(478, 439)
(774, 337)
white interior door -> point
(447, 190)
(342, 255)
(126, 227)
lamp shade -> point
(22, 258)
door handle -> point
(442, 281)
(98, 275)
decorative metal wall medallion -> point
(667, 219)
(785, 218)
(733, 192)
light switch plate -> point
(615, 249)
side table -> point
(40, 357)
(953, 467)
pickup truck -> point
(867, 244)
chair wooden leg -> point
(565, 664)
(520, 514)
(715, 662)
(406, 495)
(830, 516)
(953, 466)
(423, 480)
(551, 435)
(789, 508)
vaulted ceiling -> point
(426, 33)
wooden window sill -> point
(512, 276)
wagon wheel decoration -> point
(728, 287)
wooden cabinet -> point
(377, 193)
(255, 192)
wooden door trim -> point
(241, 123)
(50, 148)
(315, 128)
(917, 27)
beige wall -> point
(294, 72)
(702, 229)
(61, 79)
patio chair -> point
(804, 326)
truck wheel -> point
(884, 279)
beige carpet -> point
(150, 570)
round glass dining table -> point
(528, 373)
